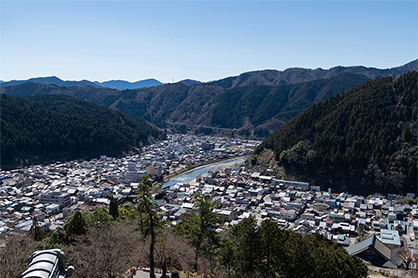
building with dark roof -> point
(373, 251)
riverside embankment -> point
(200, 169)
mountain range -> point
(263, 77)
(260, 99)
(113, 84)
(298, 75)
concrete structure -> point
(62, 199)
(154, 170)
(390, 238)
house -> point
(288, 215)
(392, 216)
(341, 240)
(228, 215)
(337, 216)
(415, 227)
(410, 195)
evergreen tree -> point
(269, 234)
(246, 238)
(148, 215)
(35, 230)
(113, 208)
(77, 225)
(226, 254)
(199, 229)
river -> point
(192, 174)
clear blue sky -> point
(201, 40)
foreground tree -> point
(246, 238)
(104, 251)
(77, 225)
(113, 208)
(199, 228)
(14, 255)
(265, 250)
(35, 230)
(149, 223)
(226, 254)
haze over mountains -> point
(113, 84)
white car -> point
(410, 245)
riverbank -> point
(198, 166)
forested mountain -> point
(206, 104)
(273, 105)
(50, 127)
(363, 140)
(298, 75)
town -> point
(379, 229)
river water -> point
(192, 174)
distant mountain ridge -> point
(113, 84)
(298, 75)
(126, 85)
(51, 80)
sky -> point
(199, 40)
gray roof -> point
(390, 237)
(373, 241)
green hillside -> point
(259, 104)
(50, 127)
(362, 140)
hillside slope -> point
(364, 140)
(264, 105)
(50, 127)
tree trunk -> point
(151, 248)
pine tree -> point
(113, 208)
(148, 215)
(77, 225)
(35, 230)
(199, 229)
(246, 238)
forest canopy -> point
(51, 127)
(361, 140)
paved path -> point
(145, 274)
